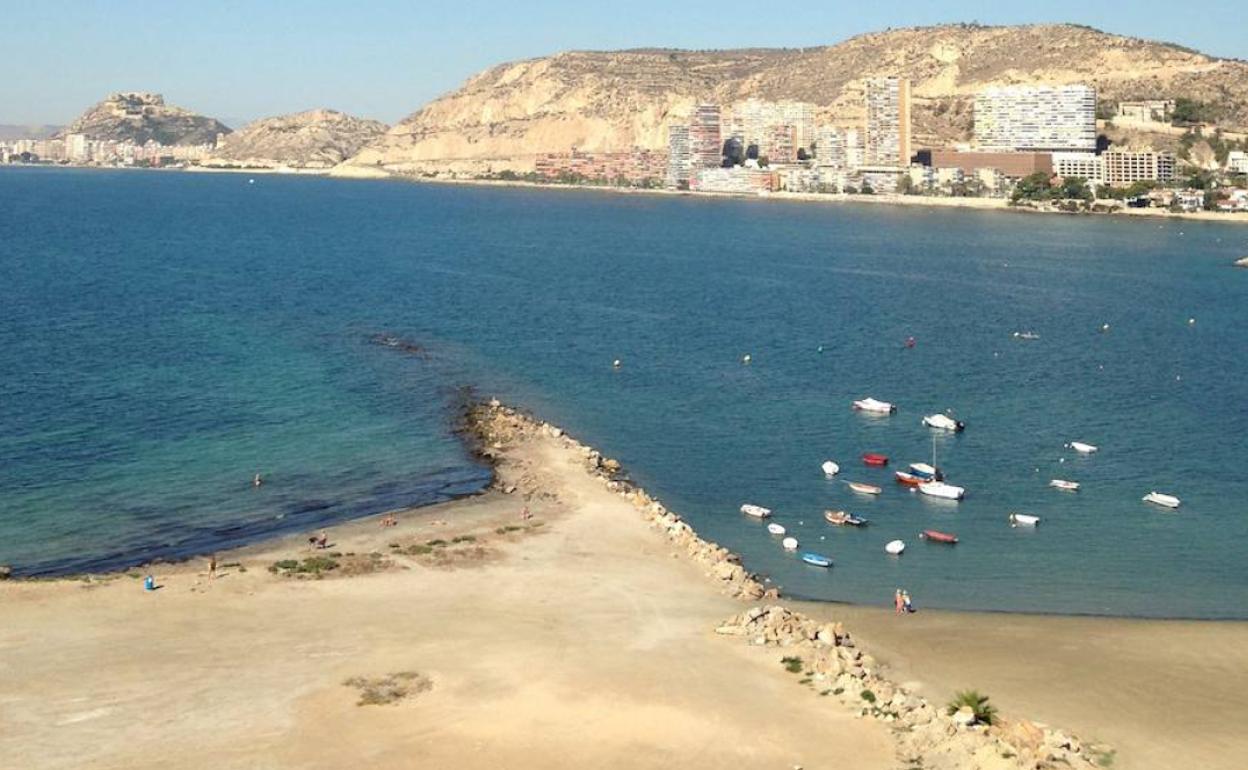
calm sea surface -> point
(164, 336)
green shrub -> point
(984, 711)
(464, 539)
(791, 664)
(867, 695)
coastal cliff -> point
(315, 139)
(503, 118)
(140, 117)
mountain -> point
(312, 139)
(504, 117)
(139, 117)
(9, 133)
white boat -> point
(943, 422)
(894, 547)
(1069, 486)
(830, 469)
(864, 489)
(775, 529)
(1026, 336)
(757, 511)
(872, 405)
(942, 490)
(1082, 448)
(1157, 498)
(1023, 520)
(789, 544)
(925, 471)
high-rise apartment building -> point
(778, 129)
(679, 157)
(705, 139)
(830, 149)
(1036, 118)
(888, 122)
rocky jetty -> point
(927, 736)
(315, 139)
(140, 117)
(596, 101)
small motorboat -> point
(757, 511)
(789, 544)
(844, 519)
(874, 406)
(909, 479)
(817, 560)
(1023, 520)
(875, 458)
(830, 469)
(942, 490)
(1082, 448)
(1167, 501)
(864, 489)
(944, 422)
(1069, 486)
(894, 547)
(926, 472)
(1026, 336)
(775, 529)
(936, 536)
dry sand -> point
(581, 642)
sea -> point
(165, 336)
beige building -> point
(1014, 165)
(888, 123)
(1155, 111)
(1086, 165)
(1124, 168)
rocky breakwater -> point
(493, 427)
(927, 736)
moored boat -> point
(830, 468)
(817, 560)
(864, 489)
(894, 547)
(942, 490)
(757, 511)
(875, 458)
(874, 406)
(944, 422)
(844, 519)
(1082, 448)
(926, 472)
(1069, 486)
(936, 536)
(775, 529)
(909, 479)
(1023, 520)
(1026, 336)
(1158, 498)
(789, 544)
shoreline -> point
(599, 557)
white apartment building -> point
(778, 129)
(77, 148)
(830, 149)
(1086, 165)
(1036, 119)
(888, 122)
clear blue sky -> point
(383, 58)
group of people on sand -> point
(901, 602)
(389, 520)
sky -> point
(383, 59)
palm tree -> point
(978, 703)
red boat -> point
(872, 458)
(936, 536)
(909, 479)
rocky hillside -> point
(503, 117)
(312, 139)
(141, 117)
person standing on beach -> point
(905, 602)
(212, 567)
(898, 606)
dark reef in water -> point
(397, 343)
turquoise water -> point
(164, 336)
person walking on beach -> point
(212, 567)
(905, 602)
(898, 605)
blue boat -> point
(816, 560)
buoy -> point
(251, 181)
(745, 359)
(1061, 459)
(1104, 327)
(616, 363)
(821, 348)
(1191, 322)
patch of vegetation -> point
(867, 695)
(507, 529)
(464, 539)
(825, 693)
(392, 688)
(313, 565)
(791, 664)
(1103, 757)
(838, 691)
(418, 550)
(337, 555)
(1039, 187)
(435, 543)
(805, 680)
(984, 711)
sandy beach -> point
(576, 637)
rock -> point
(964, 716)
(1241, 262)
(6, 572)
